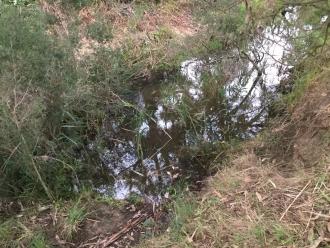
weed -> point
(259, 231)
(149, 223)
(163, 33)
(110, 201)
(18, 2)
(185, 113)
(75, 216)
(31, 103)
(47, 113)
(300, 87)
(16, 234)
(79, 3)
(239, 239)
(282, 235)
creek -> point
(182, 121)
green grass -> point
(183, 209)
(163, 33)
(300, 86)
(39, 241)
(13, 233)
(79, 4)
(75, 216)
(282, 235)
(135, 199)
(109, 201)
(260, 232)
(7, 234)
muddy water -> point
(208, 102)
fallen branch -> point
(136, 220)
(294, 200)
(317, 215)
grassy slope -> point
(274, 190)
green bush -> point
(35, 72)
(50, 105)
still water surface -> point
(209, 101)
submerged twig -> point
(254, 84)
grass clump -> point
(183, 210)
(100, 31)
(7, 238)
(282, 235)
(14, 233)
(39, 241)
(74, 217)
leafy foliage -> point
(35, 71)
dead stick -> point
(131, 224)
(294, 200)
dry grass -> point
(176, 17)
(162, 27)
(149, 34)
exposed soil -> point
(104, 225)
(119, 227)
(103, 222)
